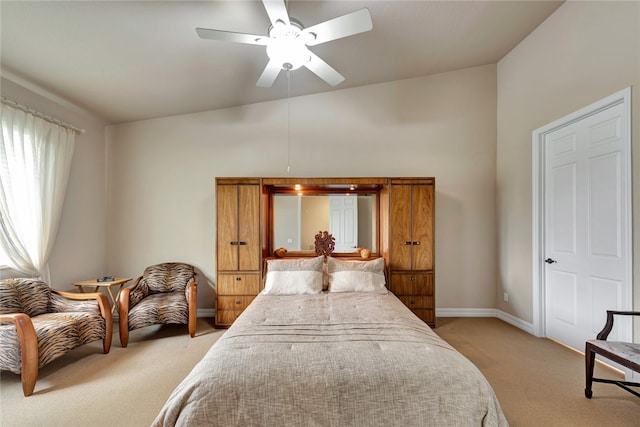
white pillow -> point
(295, 276)
(357, 276)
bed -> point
(350, 356)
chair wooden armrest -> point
(124, 305)
(123, 314)
(604, 333)
(28, 349)
(105, 311)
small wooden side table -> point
(118, 281)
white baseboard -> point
(206, 312)
(466, 312)
(486, 312)
(518, 323)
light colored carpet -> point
(538, 382)
(126, 387)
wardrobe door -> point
(422, 227)
(249, 254)
(401, 227)
(227, 227)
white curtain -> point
(35, 158)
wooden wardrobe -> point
(403, 215)
(411, 252)
(238, 250)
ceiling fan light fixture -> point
(291, 54)
(286, 46)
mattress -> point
(332, 359)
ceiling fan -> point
(287, 41)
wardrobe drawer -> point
(233, 302)
(412, 283)
(238, 284)
(417, 301)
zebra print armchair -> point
(39, 324)
(165, 293)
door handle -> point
(550, 261)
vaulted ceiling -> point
(134, 60)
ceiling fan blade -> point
(230, 36)
(269, 74)
(324, 70)
(277, 11)
(342, 26)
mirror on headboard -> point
(349, 218)
(346, 210)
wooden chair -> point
(165, 294)
(39, 324)
(623, 353)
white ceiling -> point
(133, 60)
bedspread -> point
(332, 359)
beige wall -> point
(584, 52)
(161, 172)
(80, 248)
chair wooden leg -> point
(589, 358)
(106, 342)
(123, 326)
(193, 319)
(108, 334)
(192, 327)
(193, 314)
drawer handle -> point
(412, 278)
(238, 302)
(241, 243)
(411, 302)
(238, 278)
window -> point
(34, 148)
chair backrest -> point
(28, 296)
(168, 277)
